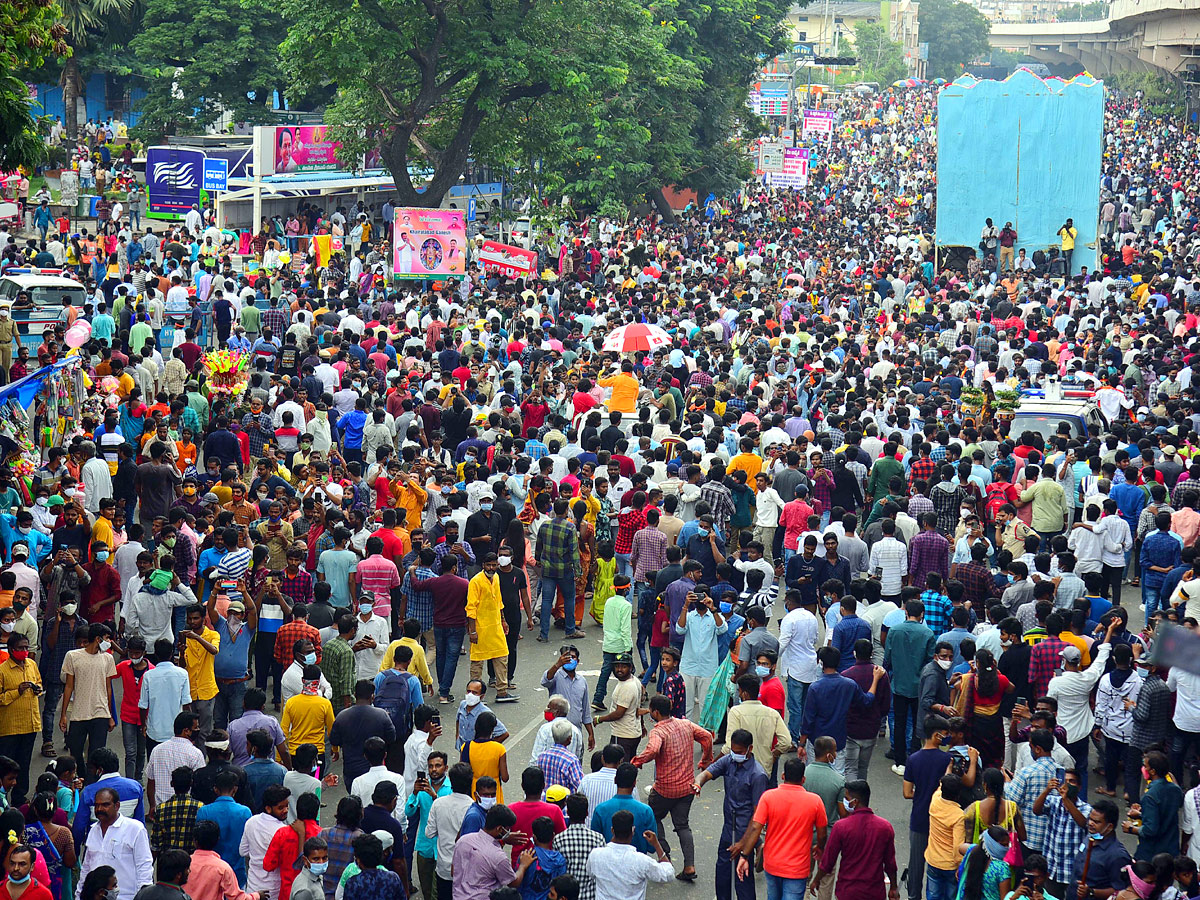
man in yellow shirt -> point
(947, 829)
(307, 717)
(487, 628)
(103, 529)
(420, 664)
(200, 645)
(1068, 233)
(747, 461)
(20, 718)
(624, 389)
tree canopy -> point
(29, 33)
(880, 59)
(956, 32)
(600, 98)
(203, 60)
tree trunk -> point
(70, 89)
(659, 199)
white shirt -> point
(1187, 699)
(1190, 824)
(256, 838)
(126, 847)
(150, 615)
(97, 484)
(889, 559)
(368, 660)
(544, 740)
(769, 506)
(1073, 692)
(1060, 754)
(445, 819)
(798, 646)
(292, 682)
(599, 787)
(621, 872)
(416, 759)
(364, 784)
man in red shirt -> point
(771, 693)
(533, 783)
(103, 591)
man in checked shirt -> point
(670, 746)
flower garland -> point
(226, 373)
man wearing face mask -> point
(303, 654)
(1106, 857)
(933, 696)
(485, 529)
(20, 718)
(745, 783)
(235, 630)
(372, 640)
(102, 590)
(563, 679)
(20, 528)
(486, 628)
(1068, 815)
(150, 611)
(469, 710)
(85, 715)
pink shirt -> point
(210, 878)
(378, 575)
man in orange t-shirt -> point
(624, 389)
(792, 813)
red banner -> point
(506, 260)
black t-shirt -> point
(511, 585)
(73, 538)
(321, 615)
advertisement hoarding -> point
(429, 243)
(506, 260)
(296, 149)
(173, 179)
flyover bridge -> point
(1159, 36)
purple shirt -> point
(867, 845)
(238, 729)
(862, 722)
(928, 552)
(480, 866)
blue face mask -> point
(702, 532)
(1095, 837)
(570, 666)
(486, 507)
(310, 659)
(446, 520)
(318, 868)
(365, 608)
(726, 608)
(762, 671)
(739, 757)
(19, 880)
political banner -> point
(429, 243)
(297, 149)
(506, 260)
(818, 122)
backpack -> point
(996, 498)
(394, 697)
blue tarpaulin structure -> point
(1023, 150)
(24, 390)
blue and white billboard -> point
(174, 176)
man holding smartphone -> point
(20, 717)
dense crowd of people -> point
(787, 526)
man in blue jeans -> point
(557, 549)
(798, 631)
(449, 592)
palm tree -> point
(86, 22)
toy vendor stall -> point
(40, 411)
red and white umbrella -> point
(630, 338)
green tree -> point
(880, 59)
(956, 33)
(1094, 11)
(679, 119)
(203, 60)
(28, 34)
(433, 73)
(90, 25)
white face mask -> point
(7, 626)
(487, 802)
(944, 663)
(505, 560)
(471, 699)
